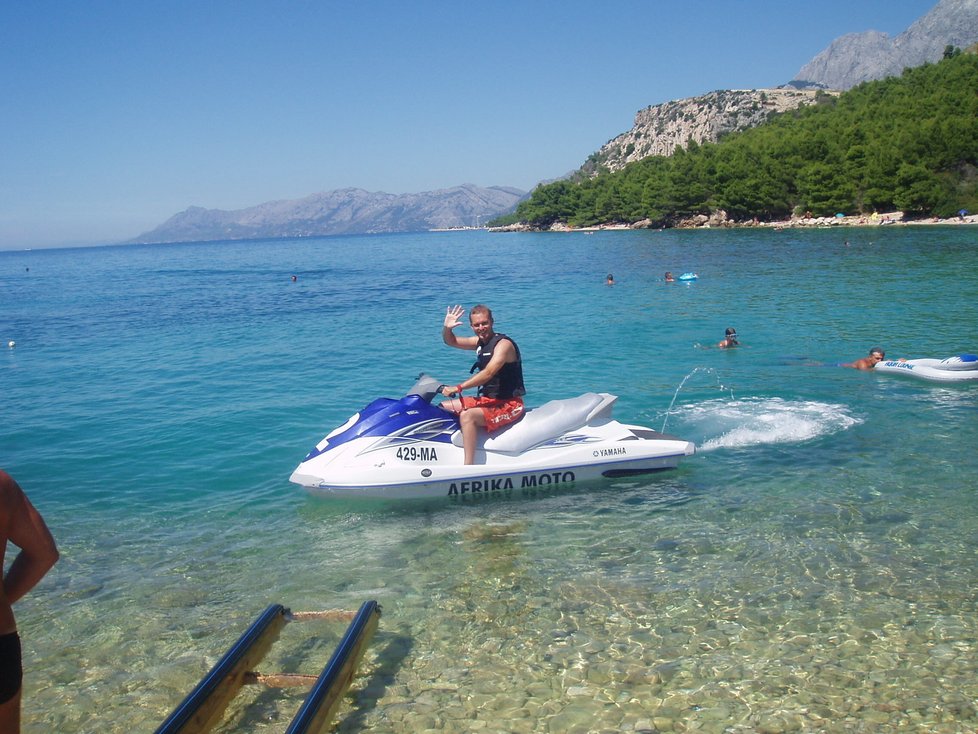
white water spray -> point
(708, 370)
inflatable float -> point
(960, 368)
(688, 276)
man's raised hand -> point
(453, 316)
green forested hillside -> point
(906, 143)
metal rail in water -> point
(204, 706)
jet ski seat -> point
(547, 422)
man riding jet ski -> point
(499, 377)
(411, 448)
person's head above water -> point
(729, 338)
(876, 355)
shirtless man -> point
(876, 355)
(499, 379)
(23, 526)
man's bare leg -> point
(472, 420)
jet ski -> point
(411, 448)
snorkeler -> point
(729, 339)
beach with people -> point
(720, 219)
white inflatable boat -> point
(960, 368)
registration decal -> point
(416, 453)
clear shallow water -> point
(812, 568)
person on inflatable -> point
(876, 355)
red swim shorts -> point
(498, 413)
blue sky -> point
(116, 115)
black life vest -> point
(508, 382)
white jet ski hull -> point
(553, 446)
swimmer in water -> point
(876, 355)
(730, 339)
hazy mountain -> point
(859, 57)
(344, 211)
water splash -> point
(715, 424)
(682, 384)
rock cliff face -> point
(660, 129)
(860, 57)
(344, 211)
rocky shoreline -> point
(720, 220)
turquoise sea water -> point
(814, 567)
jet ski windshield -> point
(426, 387)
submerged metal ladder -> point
(204, 706)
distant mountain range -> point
(848, 61)
(344, 211)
